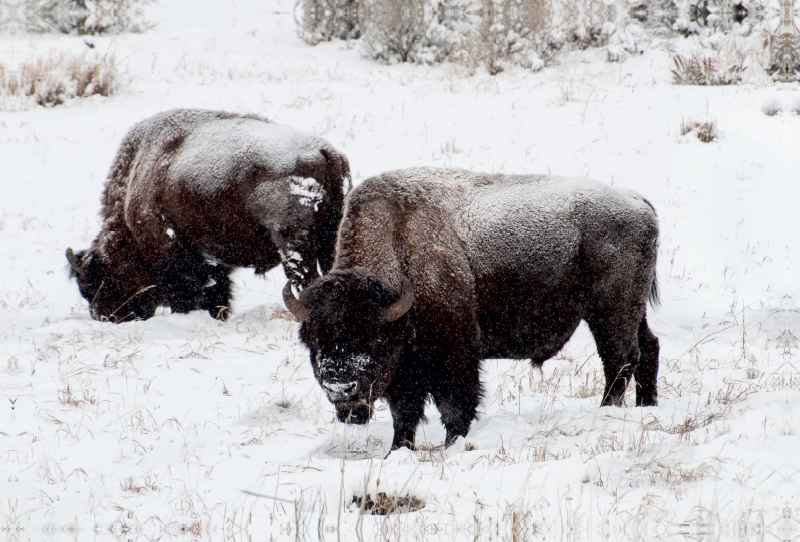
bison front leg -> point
(408, 408)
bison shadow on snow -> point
(193, 194)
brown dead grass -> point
(53, 78)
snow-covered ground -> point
(185, 427)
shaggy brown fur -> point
(192, 194)
(501, 266)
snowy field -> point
(182, 428)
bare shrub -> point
(796, 107)
(324, 20)
(52, 79)
(398, 31)
(701, 69)
(772, 107)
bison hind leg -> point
(616, 337)
(457, 397)
(646, 375)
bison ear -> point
(298, 309)
(74, 262)
(401, 306)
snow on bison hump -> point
(438, 269)
(192, 194)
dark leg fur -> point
(216, 299)
(647, 371)
(457, 397)
(408, 409)
(185, 278)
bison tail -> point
(655, 295)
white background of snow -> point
(162, 425)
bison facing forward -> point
(192, 194)
(438, 269)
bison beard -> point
(192, 195)
(473, 266)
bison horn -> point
(401, 306)
(298, 309)
(73, 262)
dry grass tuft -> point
(383, 504)
(706, 131)
(700, 69)
(58, 76)
(772, 107)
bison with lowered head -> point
(438, 269)
(192, 194)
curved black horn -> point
(74, 263)
(295, 306)
(401, 306)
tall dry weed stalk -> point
(58, 76)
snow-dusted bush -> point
(512, 32)
(403, 31)
(784, 48)
(324, 20)
(706, 69)
(56, 77)
(530, 33)
(74, 16)
(492, 33)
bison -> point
(192, 194)
(438, 269)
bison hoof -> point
(403, 443)
(646, 401)
(357, 414)
(451, 438)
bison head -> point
(353, 329)
(115, 293)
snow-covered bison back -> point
(192, 194)
(438, 269)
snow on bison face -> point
(352, 328)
